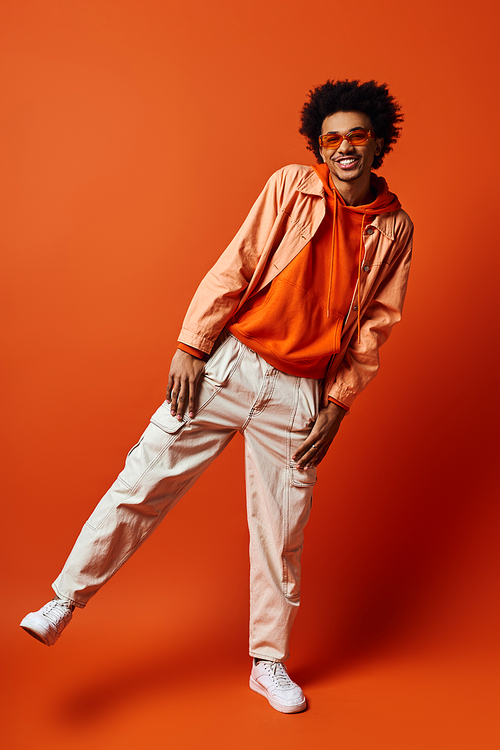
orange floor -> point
(120, 681)
(396, 655)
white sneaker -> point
(271, 680)
(47, 624)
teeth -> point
(347, 161)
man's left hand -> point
(315, 447)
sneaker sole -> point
(32, 625)
(257, 688)
(36, 635)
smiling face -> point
(347, 163)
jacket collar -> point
(310, 184)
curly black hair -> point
(349, 96)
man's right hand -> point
(183, 381)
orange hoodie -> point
(295, 323)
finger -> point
(318, 457)
(311, 459)
(193, 392)
(169, 388)
(181, 398)
(308, 458)
(303, 448)
(174, 394)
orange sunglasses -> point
(355, 138)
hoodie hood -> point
(384, 202)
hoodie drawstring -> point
(359, 275)
(334, 234)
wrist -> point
(339, 403)
(191, 350)
(335, 411)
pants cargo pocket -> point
(159, 435)
(139, 466)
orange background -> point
(135, 134)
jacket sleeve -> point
(219, 293)
(361, 361)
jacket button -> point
(370, 230)
(354, 307)
(366, 269)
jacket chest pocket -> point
(371, 275)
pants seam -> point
(286, 510)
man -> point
(282, 334)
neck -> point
(356, 193)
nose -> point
(345, 147)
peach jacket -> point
(282, 221)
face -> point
(349, 163)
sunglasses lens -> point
(358, 137)
(330, 140)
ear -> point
(379, 146)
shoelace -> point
(54, 616)
(279, 674)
